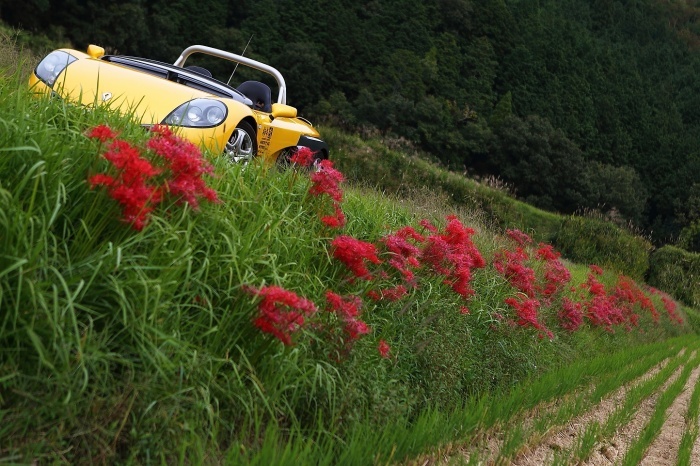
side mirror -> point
(95, 51)
(282, 110)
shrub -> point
(596, 242)
(676, 271)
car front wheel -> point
(284, 159)
(242, 146)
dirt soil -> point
(542, 449)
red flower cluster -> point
(602, 311)
(669, 304)
(450, 253)
(384, 349)
(556, 275)
(354, 254)
(570, 315)
(326, 181)
(627, 291)
(348, 310)
(303, 157)
(186, 166)
(337, 220)
(526, 309)
(404, 254)
(607, 310)
(133, 187)
(594, 286)
(282, 312)
(454, 255)
(511, 264)
(102, 132)
(137, 186)
(671, 307)
(522, 239)
(394, 293)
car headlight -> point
(51, 66)
(200, 113)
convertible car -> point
(241, 122)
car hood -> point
(149, 98)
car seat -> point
(200, 70)
(257, 91)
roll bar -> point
(281, 97)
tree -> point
(545, 167)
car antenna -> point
(242, 53)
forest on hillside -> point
(576, 104)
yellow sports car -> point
(242, 122)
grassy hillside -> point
(258, 316)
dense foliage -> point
(577, 103)
(677, 271)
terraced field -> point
(637, 409)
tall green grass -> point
(118, 346)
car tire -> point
(242, 146)
(283, 160)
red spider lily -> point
(186, 165)
(519, 237)
(618, 307)
(464, 310)
(511, 264)
(627, 290)
(127, 158)
(395, 293)
(570, 315)
(327, 181)
(384, 349)
(133, 187)
(594, 286)
(428, 226)
(546, 252)
(453, 254)
(136, 185)
(390, 294)
(596, 269)
(556, 277)
(526, 309)
(282, 312)
(405, 255)
(669, 304)
(337, 220)
(102, 132)
(356, 328)
(303, 157)
(354, 254)
(602, 311)
(348, 309)
(671, 308)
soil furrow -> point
(696, 446)
(614, 449)
(543, 450)
(664, 450)
(566, 437)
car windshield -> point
(180, 75)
